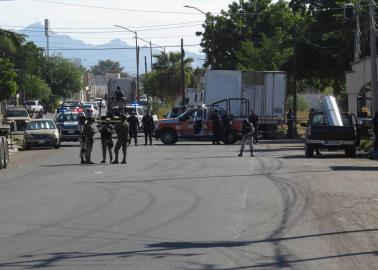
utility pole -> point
(151, 54)
(145, 64)
(47, 34)
(137, 56)
(373, 56)
(182, 72)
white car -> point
(34, 106)
(41, 132)
(91, 109)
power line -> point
(117, 9)
(103, 28)
(120, 48)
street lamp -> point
(196, 9)
(137, 56)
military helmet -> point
(123, 116)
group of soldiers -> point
(249, 130)
(125, 129)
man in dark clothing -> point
(133, 128)
(217, 127)
(375, 129)
(148, 127)
(226, 119)
(106, 140)
(254, 119)
(122, 130)
(290, 123)
(310, 114)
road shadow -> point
(354, 168)
(325, 156)
(175, 249)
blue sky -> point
(140, 15)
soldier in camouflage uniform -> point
(122, 130)
(89, 132)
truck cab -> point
(194, 124)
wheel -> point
(309, 150)
(350, 151)
(168, 137)
(57, 146)
(6, 153)
(26, 147)
(1, 153)
(231, 138)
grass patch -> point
(366, 145)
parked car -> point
(17, 118)
(41, 132)
(67, 123)
(139, 111)
(100, 102)
(34, 106)
(321, 135)
(74, 106)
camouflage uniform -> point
(122, 130)
(88, 132)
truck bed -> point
(339, 133)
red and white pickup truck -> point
(195, 124)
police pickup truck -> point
(196, 124)
(321, 135)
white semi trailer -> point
(265, 91)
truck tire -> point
(309, 150)
(231, 139)
(168, 137)
(6, 152)
(1, 153)
(350, 151)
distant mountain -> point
(89, 54)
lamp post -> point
(187, 6)
(137, 56)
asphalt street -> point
(192, 205)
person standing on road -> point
(148, 127)
(290, 123)
(310, 114)
(80, 128)
(133, 127)
(89, 133)
(375, 129)
(254, 119)
(226, 119)
(217, 127)
(247, 132)
(122, 130)
(106, 140)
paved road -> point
(189, 206)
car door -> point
(187, 124)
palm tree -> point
(168, 69)
(10, 43)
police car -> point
(67, 123)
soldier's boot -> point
(82, 161)
(241, 153)
(123, 161)
(116, 159)
(252, 155)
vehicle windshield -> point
(35, 125)
(30, 102)
(346, 119)
(130, 110)
(67, 117)
(17, 113)
(87, 106)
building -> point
(358, 81)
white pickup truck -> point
(34, 106)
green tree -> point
(36, 88)
(107, 66)
(165, 81)
(8, 85)
(64, 77)
(10, 43)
